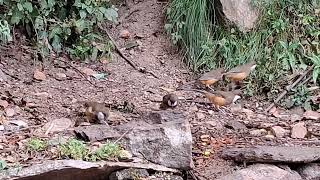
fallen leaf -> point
(88, 71)
(274, 111)
(313, 115)
(4, 103)
(10, 112)
(38, 75)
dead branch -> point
(285, 91)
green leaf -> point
(77, 3)
(83, 14)
(51, 3)
(16, 17)
(20, 7)
(315, 74)
(43, 4)
(56, 43)
(80, 25)
(28, 6)
(94, 54)
(111, 14)
(89, 9)
(38, 23)
(3, 164)
(55, 31)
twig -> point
(122, 135)
(82, 74)
(285, 91)
(142, 70)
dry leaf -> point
(4, 103)
(313, 115)
(88, 71)
(10, 112)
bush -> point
(55, 24)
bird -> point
(220, 98)
(239, 73)
(211, 77)
(96, 112)
(169, 101)
(208, 78)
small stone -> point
(88, 71)
(61, 76)
(312, 115)
(211, 112)
(38, 75)
(299, 130)
(193, 108)
(124, 155)
(4, 104)
(10, 112)
(125, 34)
(258, 132)
(58, 125)
(269, 137)
(1, 127)
(200, 115)
(278, 131)
(43, 94)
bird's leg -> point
(210, 88)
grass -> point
(36, 144)
(284, 42)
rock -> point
(163, 137)
(129, 174)
(61, 76)
(88, 71)
(271, 154)
(1, 128)
(20, 124)
(241, 13)
(258, 132)
(312, 115)
(124, 155)
(10, 112)
(200, 115)
(269, 137)
(75, 169)
(193, 108)
(278, 131)
(57, 125)
(263, 172)
(164, 176)
(38, 75)
(96, 132)
(310, 171)
(125, 34)
(299, 130)
(236, 125)
(4, 104)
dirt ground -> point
(57, 97)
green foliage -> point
(3, 165)
(76, 149)
(56, 23)
(5, 34)
(107, 151)
(36, 144)
(284, 42)
(73, 149)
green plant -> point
(55, 24)
(316, 69)
(73, 149)
(107, 151)
(36, 144)
(3, 165)
(5, 34)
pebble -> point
(200, 115)
(258, 132)
(38, 75)
(299, 130)
(4, 103)
(278, 131)
(10, 112)
(125, 34)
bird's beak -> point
(172, 104)
(236, 97)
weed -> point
(36, 144)
(73, 149)
(107, 151)
(5, 34)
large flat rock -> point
(294, 154)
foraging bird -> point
(208, 78)
(169, 101)
(239, 73)
(211, 77)
(220, 98)
(96, 112)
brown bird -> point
(208, 78)
(211, 77)
(220, 98)
(239, 73)
(169, 101)
(96, 112)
